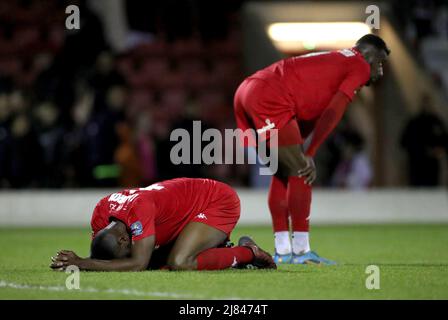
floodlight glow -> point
(316, 35)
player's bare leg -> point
(194, 238)
(196, 248)
(290, 193)
(278, 207)
(298, 195)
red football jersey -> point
(162, 209)
(307, 83)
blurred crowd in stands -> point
(425, 140)
(88, 108)
(425, 137)
(424, 24)
(77, 110)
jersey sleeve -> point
(98, 220)
(328, 121)
(141, 219)
(357, 77)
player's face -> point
(376, 67)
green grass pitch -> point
(413, 262)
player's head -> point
(375, 51)
(113, 242)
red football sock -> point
(278, 205)
(299, 202)
(223, 258)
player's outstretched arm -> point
(328, 121)
(141, 252)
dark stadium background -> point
(79, 108)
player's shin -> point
(278, 206)
(299, 203)
(223, 258)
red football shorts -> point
(258, 106)
(223, 211)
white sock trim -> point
(300, 242)
(282, 242)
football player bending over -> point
(300, 96)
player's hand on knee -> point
(309, 171)
(311, 177)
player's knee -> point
(181, 262)
(288, 170)
(290, 167)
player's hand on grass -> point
(63, 259)
(309, 171)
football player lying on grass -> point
(179, 224)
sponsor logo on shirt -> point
(267, 127)
(136, 228)
(121, 198)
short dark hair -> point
(104, 246)
(373, 40)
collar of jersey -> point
(355, 51)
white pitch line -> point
(130, 292)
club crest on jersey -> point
(136, 228)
